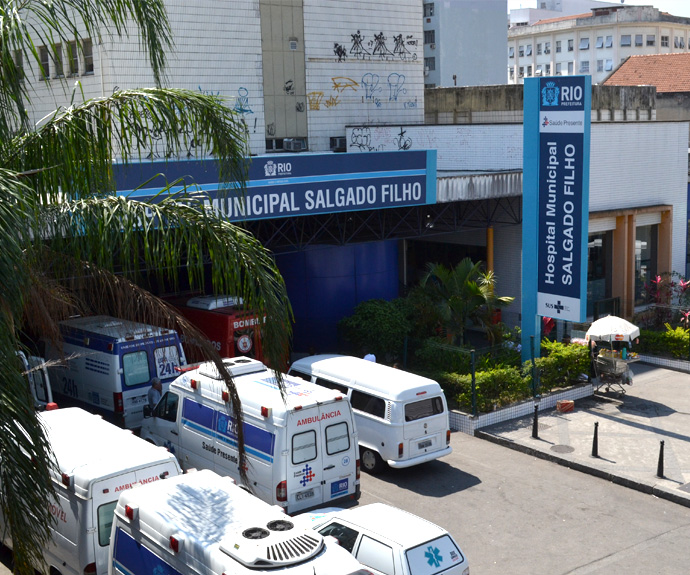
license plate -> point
(424, 444)
(304, 495)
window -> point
(584, 67)
(73, 58)
(303, 447)
(538, 49)
(428, 10)
(651, 40)
(417, 557)
(521, 51)
(423, 408)
(345, 535)
(547, 47)
(664, 41)
(600, 65)
(571, 65)
(529, 71)
(521, 72)
(584, 43)
(609, 42)
(304, 376)
(135, 366)
(571, 44)
(538, 71)
(368, 403)
(528, 50)
(558, 46)
(608, 65)
(87, 51)
(511, 73)
(638, 39)
(327, 384)
(429, 36)
(167, 361)
(548, 70)
(376, 555)
(429, 64)
(676, 43)
(600, 42)
(57, 58)
(511, 52)
(625, 40)
(681, 42)
(558, 68)
(45, 62)
(105, 513)
(337, 438)
(167, 407)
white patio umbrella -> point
(612, 328)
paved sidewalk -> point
(630, 429)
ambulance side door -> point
(304, 459)
(163, 427)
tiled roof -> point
(563, 18)
(668, 72)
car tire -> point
(370, 461)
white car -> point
(390, 541)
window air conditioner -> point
(432, 46)
(294, 144)
(338, 144)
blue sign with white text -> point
(294, 184)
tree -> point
(463, 294)
(69, 245)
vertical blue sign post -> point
(555, 197)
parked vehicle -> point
(390, 541)
(96, 462)
(204, 523)
(39, 382)
(233, 330)
(110, 364)
(301, 447)
(402, 418)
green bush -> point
(674, 342)
(436, 354)
(494, 388)
(560, 364)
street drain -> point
(562, 448)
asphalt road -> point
(513, 513)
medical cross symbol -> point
(308, 475)
(559, 306)
(433, 556)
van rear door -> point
(105, 494)
(426, 422)
(321, 460)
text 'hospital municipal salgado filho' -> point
(560, 227)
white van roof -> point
(118, 329)
(89, 448)
(220, 525)
(210, 303)
(386, 381)
(257, 387)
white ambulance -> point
(203, 523)
(402, 418)
(96, 462)
(110, 364)
(301, 448)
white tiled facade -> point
(594, 45)
(218, 50)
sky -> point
(675, 7)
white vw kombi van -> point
(402, 418)
(301, 447)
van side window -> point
(167, 359)
(167, 407)
(303, 447)
(136, 368)
(328, 384)
(106, 513)
(301, 375)
(376, 555)
(424, 408)
(345, 535)
(337, 438)
(368, 403)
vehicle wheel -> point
(371, 461)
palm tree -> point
(69, 245)
(463, 294)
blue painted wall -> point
(325, 284)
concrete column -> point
(664, 257)
(619, 259)
(489, 249)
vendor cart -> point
(612, 372)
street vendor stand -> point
(611, 358)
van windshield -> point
(423, 408)
(434, 556)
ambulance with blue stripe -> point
(301, 446)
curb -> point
(656, 490)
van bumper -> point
(400, 464)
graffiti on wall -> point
(377, 47)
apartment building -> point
(593, 43)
